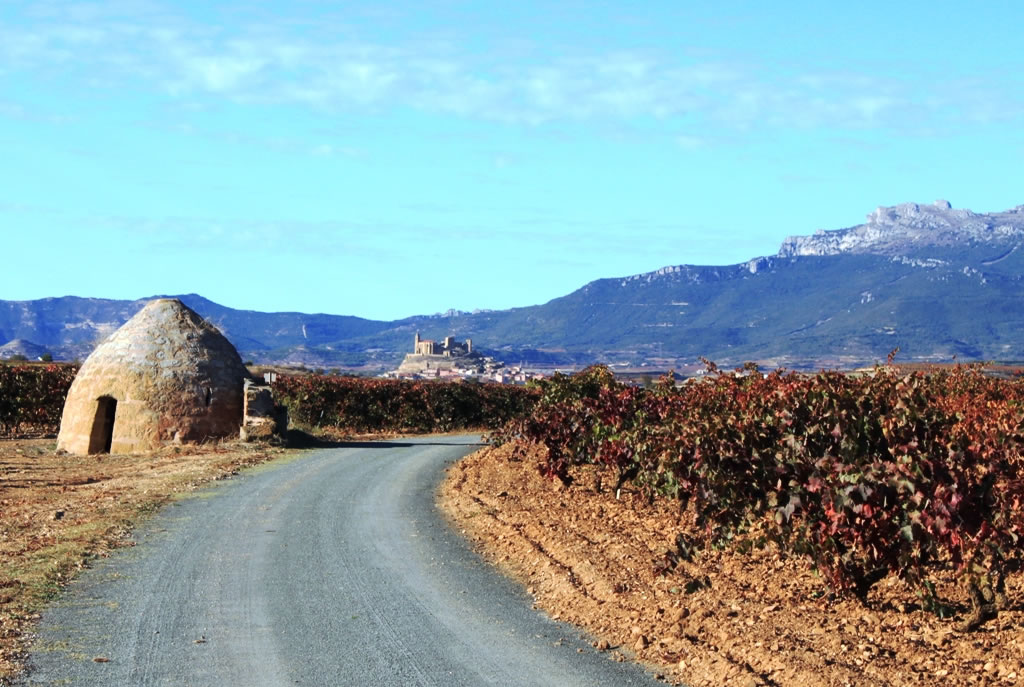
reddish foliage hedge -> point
(32, 398)
(870, 475)
(355, 404)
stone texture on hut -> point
(166, 376)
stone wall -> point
(262, 417)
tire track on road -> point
(334, 568)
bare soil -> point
(58, 512)
(722, 617)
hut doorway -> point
(102, 435)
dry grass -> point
(57, 512)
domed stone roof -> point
(166, 376)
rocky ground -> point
(723, 617)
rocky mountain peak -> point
(938, 214)
(905, 227)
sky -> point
(388, 159)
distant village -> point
(450, 359)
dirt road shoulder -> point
(611, 566)
(58, 512)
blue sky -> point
(386, 159)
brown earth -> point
(723, 617)
(58, 511)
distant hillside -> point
(20, 347)
(910, 227)
(71, 327)
(935, 281)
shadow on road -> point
(298, 439)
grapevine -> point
(867, 476)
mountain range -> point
(935, 281)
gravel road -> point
(333, 568)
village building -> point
(166, 376)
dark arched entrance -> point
(102, 435)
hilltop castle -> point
(449, 348)
(446, 358)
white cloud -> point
(330, 150)
(143, 48)
(871, 106)
(690, 142)
(220, 73)
(323, 150)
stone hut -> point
(166, 376)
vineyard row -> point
(32, 400)
(866, 476)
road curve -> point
(334, 568)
